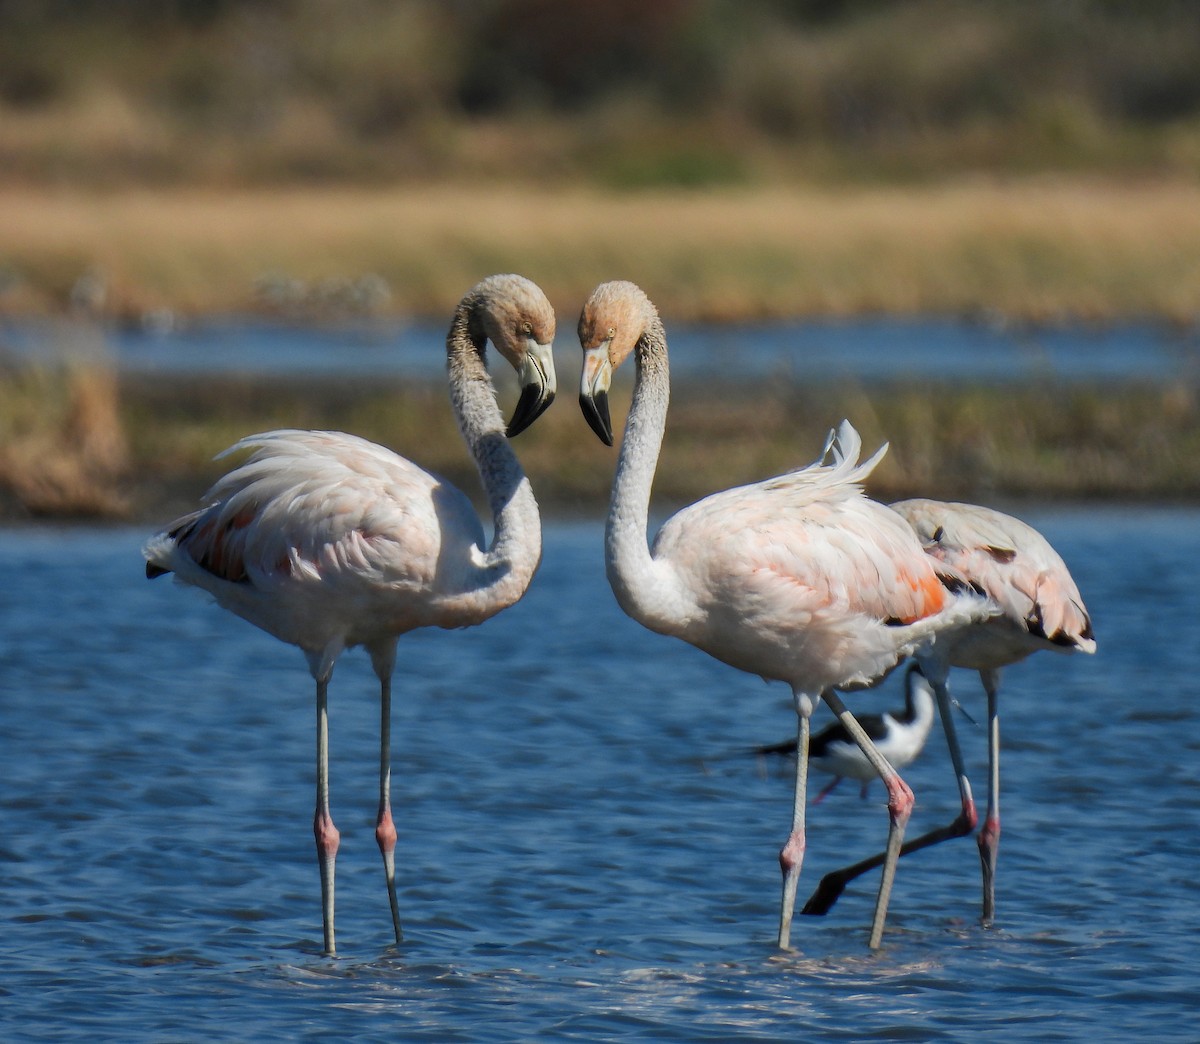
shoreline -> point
(87, 444)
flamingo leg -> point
(385, 829)
(791, 857)
(324, 831)
(900, 803)
(989, 835)
(831, 886)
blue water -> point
(861, 348)
(585, 852)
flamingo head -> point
(613, 320)
(515, 315)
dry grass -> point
(62, 443)
(77, 443)
(1033, 249)
(985, 445)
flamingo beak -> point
(538, 385)
(593, 391)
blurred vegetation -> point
(318, 160)
(1032, 158)
(620, 93)
(81, 443)
(63, 452)
(1043, 252)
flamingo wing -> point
(804, 573)
(1010, 562)
(326, 508)
(815, 530)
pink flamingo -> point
(798, 578)
(1039, 607)
(327, 541)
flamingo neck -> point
(500, 574)
(643, 585)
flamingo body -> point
(327, 541)
(1037, 606)
(800, 578)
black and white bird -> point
(900, 737)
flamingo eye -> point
(527, 328)
(612, 332)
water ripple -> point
(581, 858)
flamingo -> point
(327, 541)
(799, 578)
(1039, 608)
(900, 737)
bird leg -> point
(792, 855)
(385, 829)
(828, 789)
(323, 829)
(831, 886)
(900, 804)
(989, 835)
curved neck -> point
(502, 572)
(638, 581)
(918, 706)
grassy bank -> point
(989, 445)
(142, 449)
(1043, 249)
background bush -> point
(624, 92)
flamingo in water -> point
(326, 540)
(1038, 607)
(799, 578)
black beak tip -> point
(532, 404)
(595, 412)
